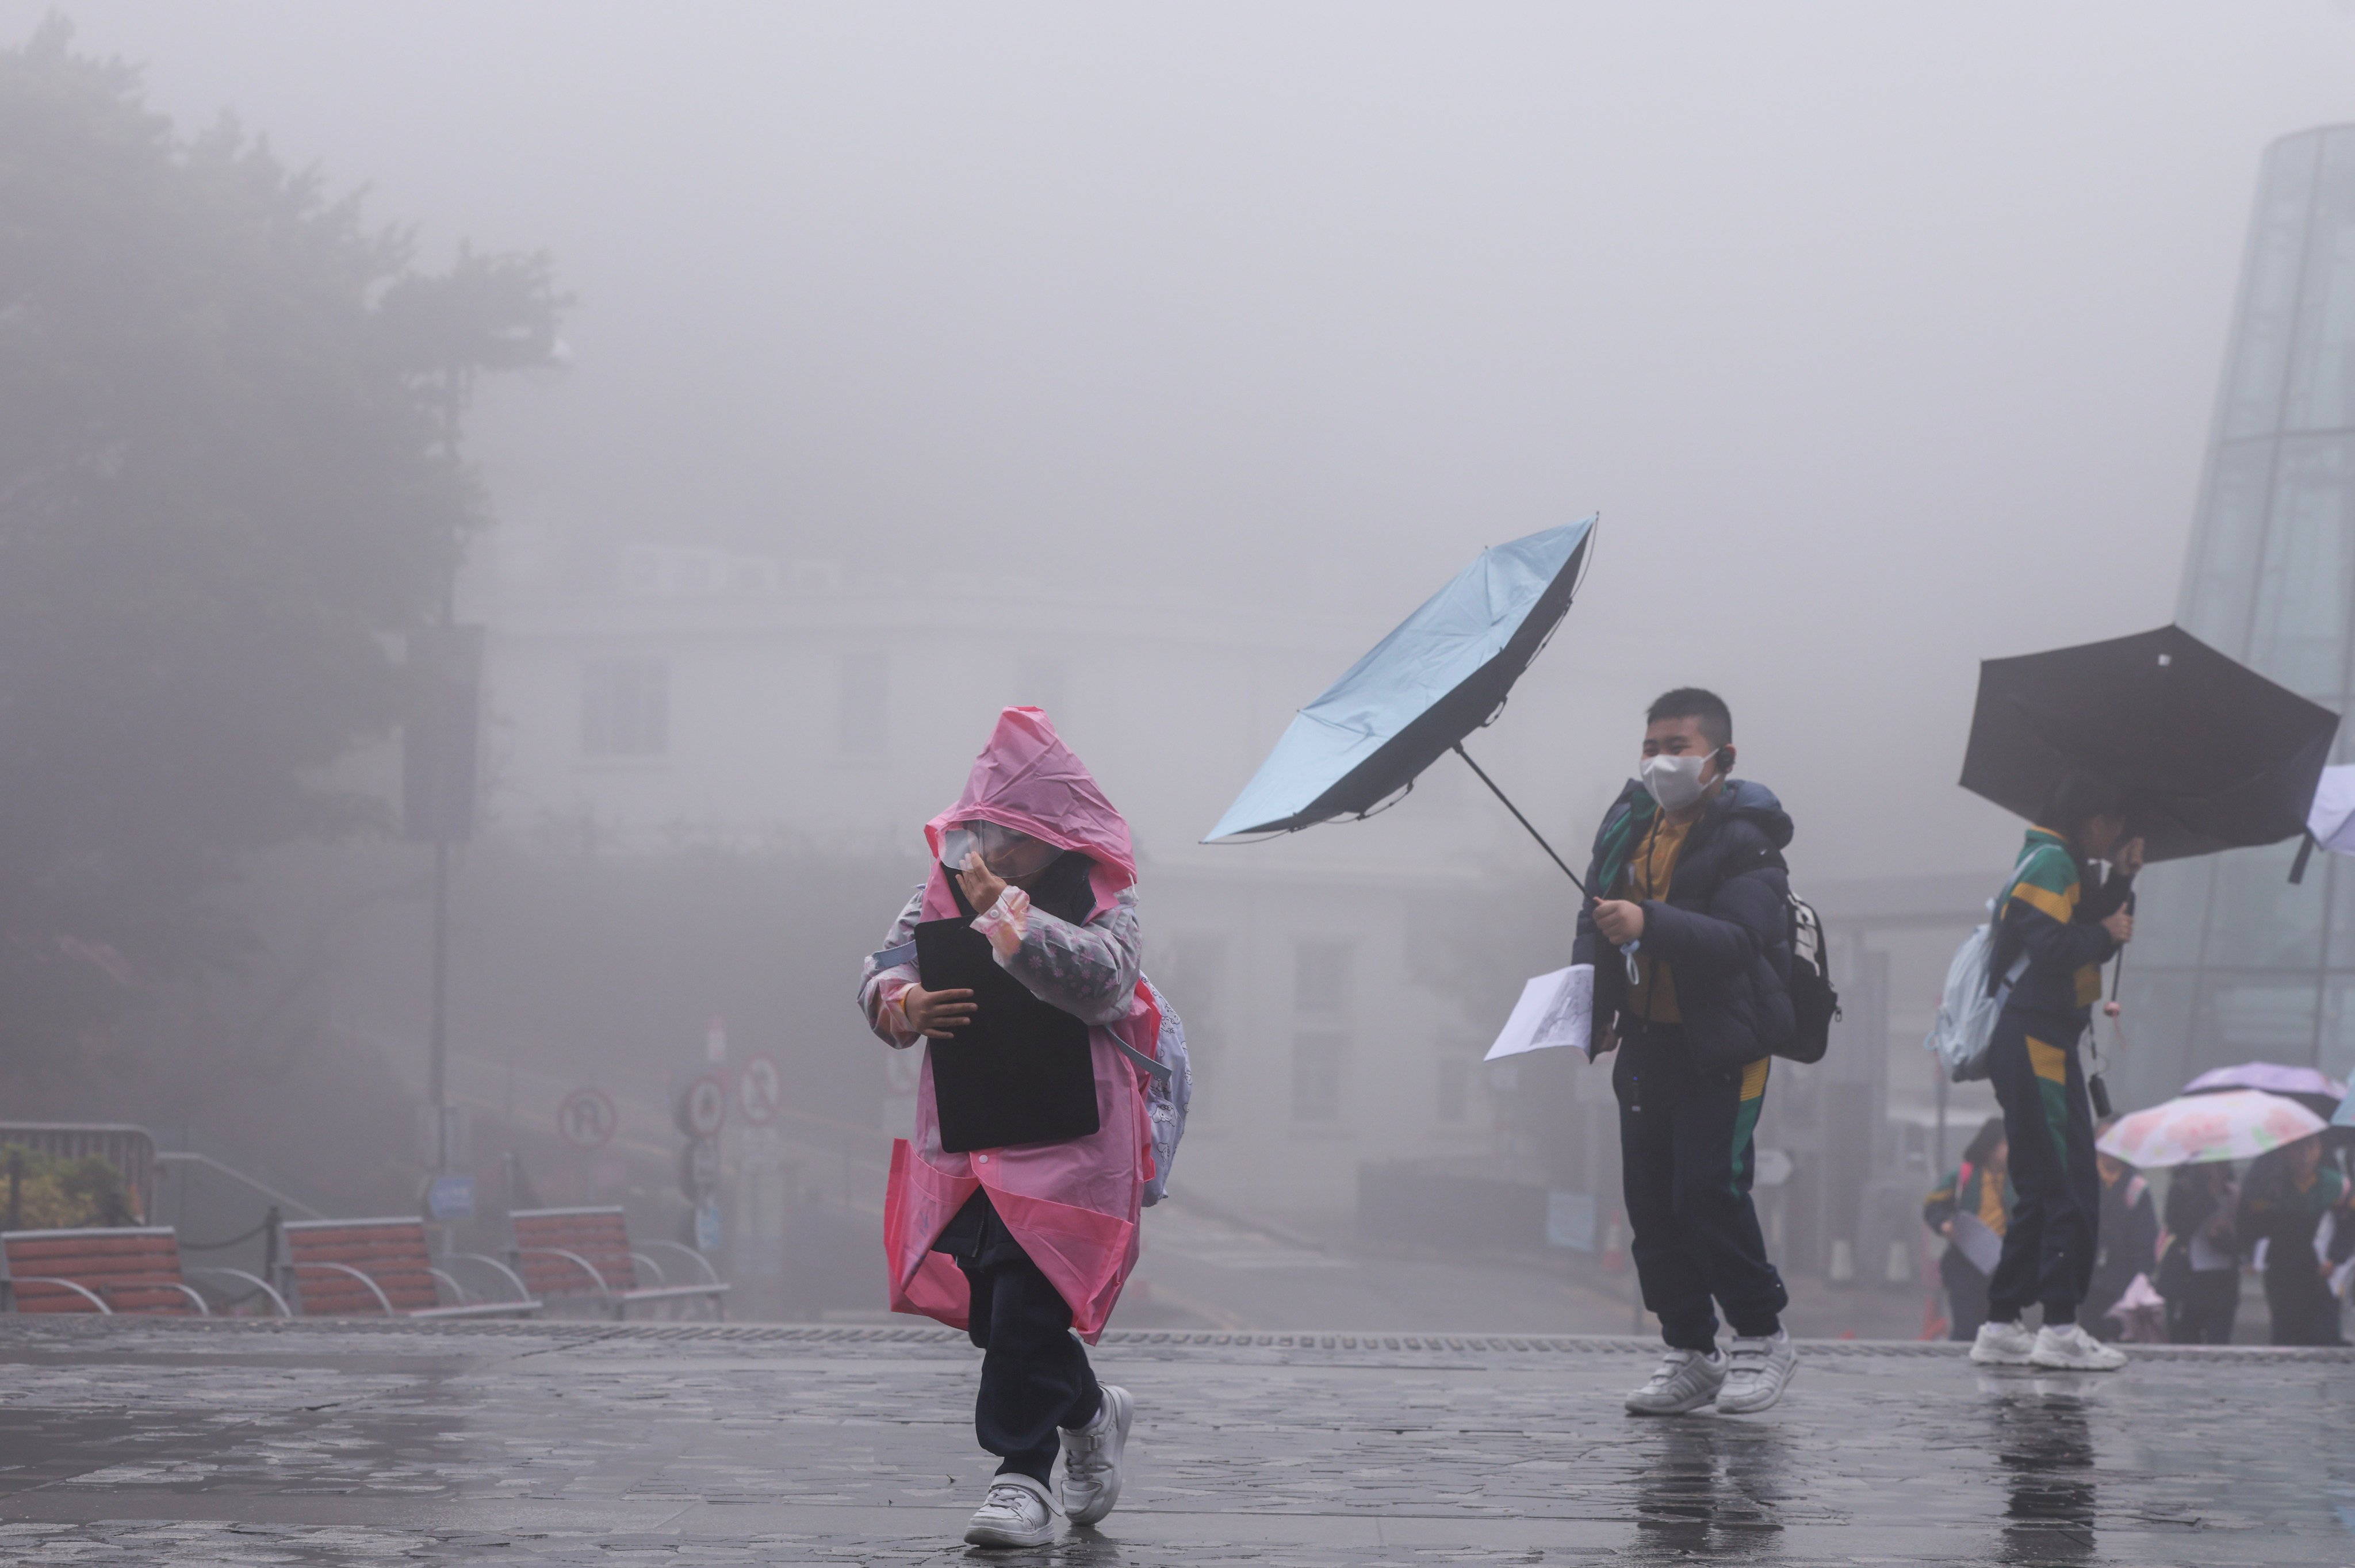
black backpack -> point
(1814, 1003)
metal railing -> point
(130, 1150)
(189, 1160)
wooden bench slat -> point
(135, 1270)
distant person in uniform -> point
(2199, 1261)
(1689, 937)
(1975, 1193)
(2126, 1244)
(2289, 1194)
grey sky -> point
(1884, 337)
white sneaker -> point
(1016, 1513)
(2003, 1344)
(1090, 1482)
(1757, 1372)
(1685, 1380)
(2070, 1349)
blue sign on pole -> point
(1571, 1221)
(706, 1225)
(450, 1198)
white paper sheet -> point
(1981, 1245)
(1556, 1010)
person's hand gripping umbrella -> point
(2213, 755)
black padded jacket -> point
(1724, 927)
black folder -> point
(1020, 1072)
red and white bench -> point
(586, 1253)
(381, 1268)
(128, 1269)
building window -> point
(1320, 1047)
(1319, 1057)
(1454, 1086)
(1320, 978)
(1195, 972)
(625, 708)
(863, 705)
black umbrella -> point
(2215, 755)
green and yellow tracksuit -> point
(2048, 914)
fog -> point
(1883, 338)
(1313, 302)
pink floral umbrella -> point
(2199, 1129)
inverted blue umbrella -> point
(1444, 672)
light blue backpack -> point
(1169, 1093)
(1974, 998)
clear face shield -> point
(1011, 854)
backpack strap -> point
(1995, 922)
(1161, 1071)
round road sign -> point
(698, 1169)
(587, 1118)
(761, 1088)
(703, 1108)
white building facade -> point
(694, 697)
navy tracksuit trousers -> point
(1035, 1375)
(1687, 1162)
(2049, 1248)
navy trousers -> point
(1686, 1166)
(2049, 1249)
(1035, 1375)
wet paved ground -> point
(130, 1443)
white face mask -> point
(1675, 782)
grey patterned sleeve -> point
(1089, 971)
(889, 962)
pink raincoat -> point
(1073, 1206)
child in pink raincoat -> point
(1021, 1245)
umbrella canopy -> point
(2199, 1129)
(2310, 1087)
(2218, 756)
(1441, 674)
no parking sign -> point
(587, 1118)
(703, 1108)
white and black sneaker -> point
(1758, 1371)
(1090, 1482)
(1016, 1513)
(1684, 1381)
(2068, 1349)
(2003, 1344)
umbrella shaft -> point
(1516, 810)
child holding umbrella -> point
(2067, 927)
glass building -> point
(2230, 962)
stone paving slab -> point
(147, 1442)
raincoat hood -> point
(1026, 779)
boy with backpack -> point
(1689, 936)
(2054, 930)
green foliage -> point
(56, 1194)
(228, 414)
